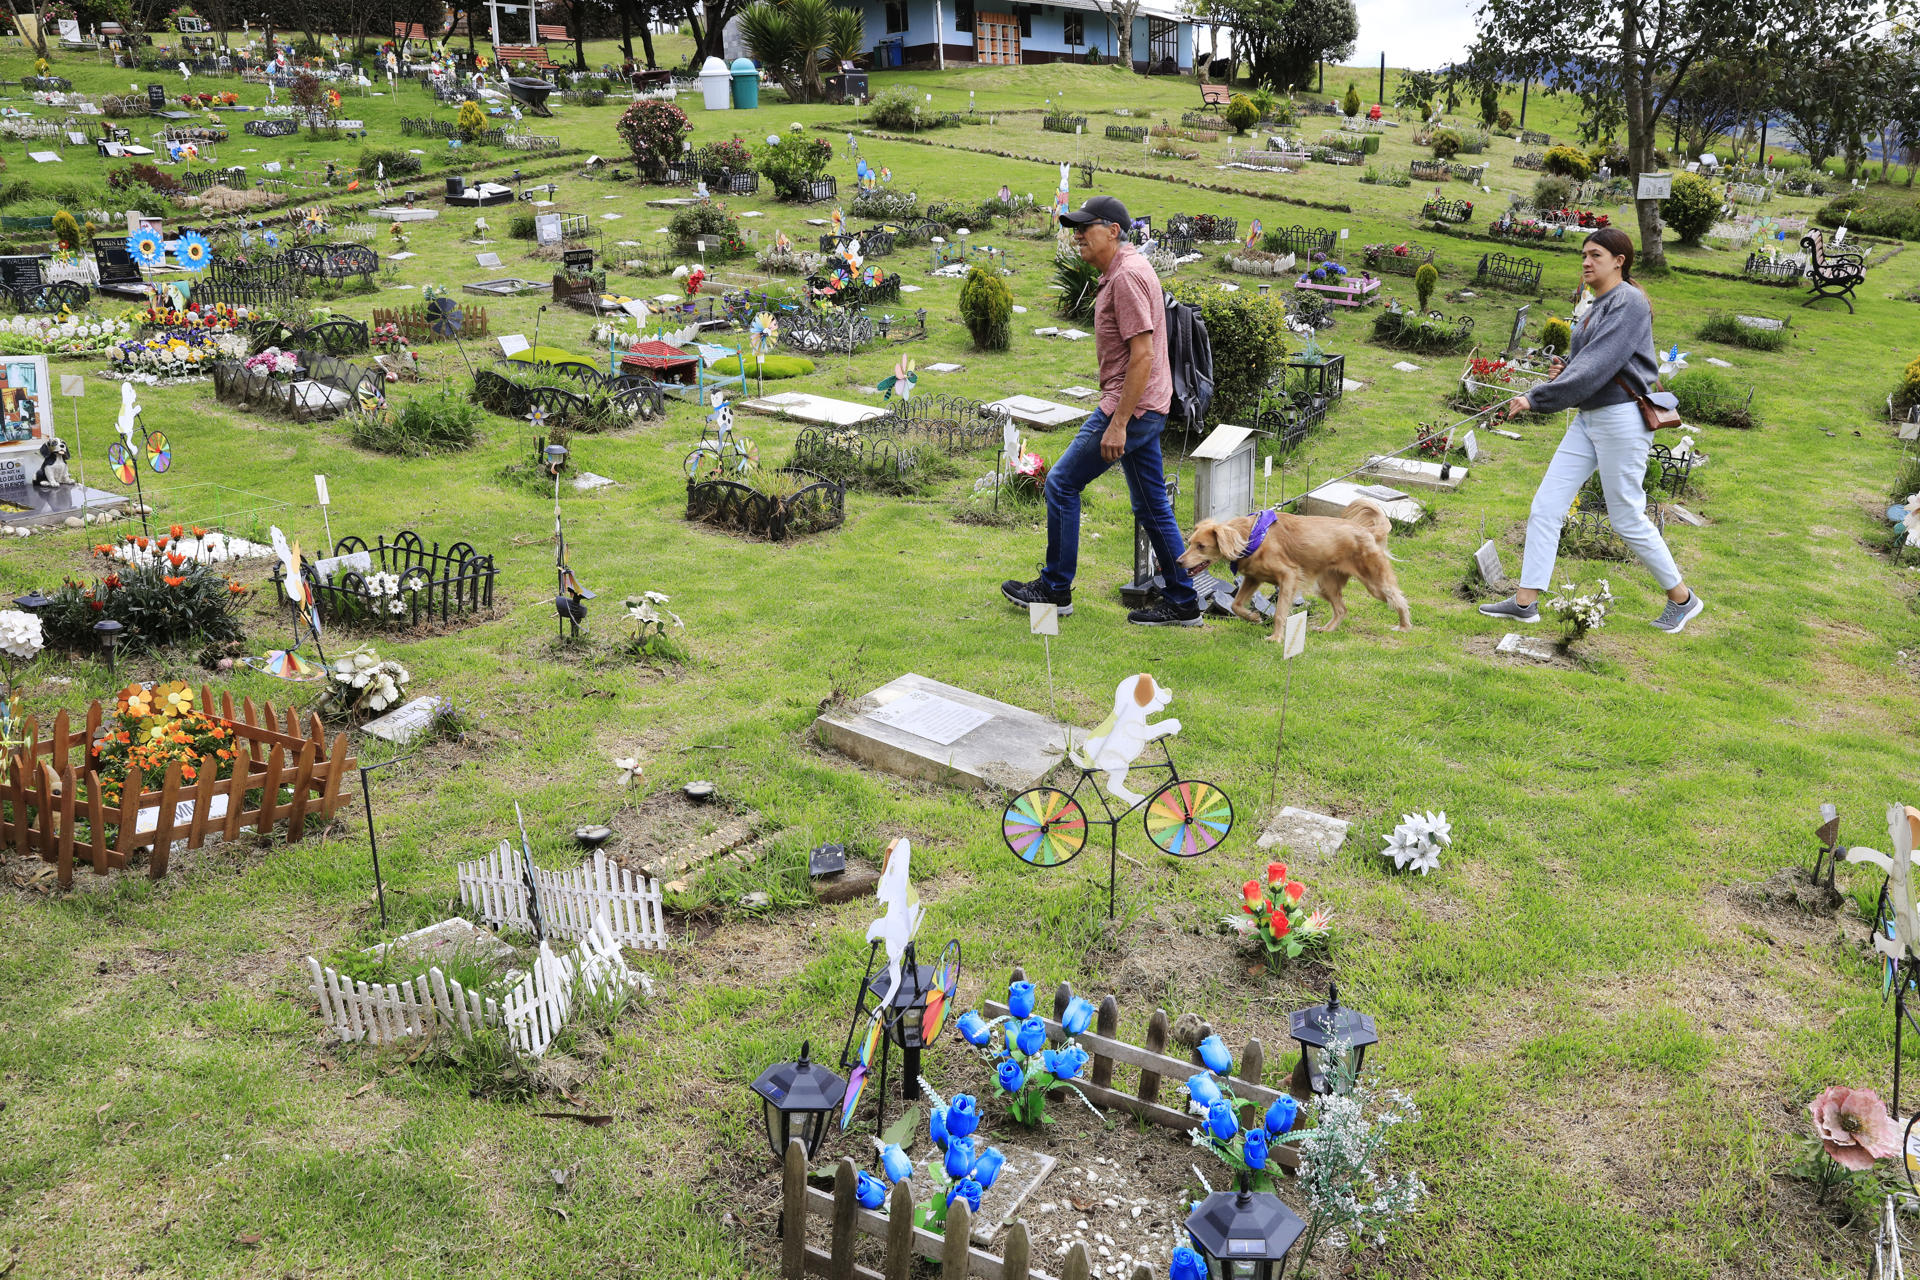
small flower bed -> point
(155, 727)
(166, 602)
(1025, 1069)
(956, 1170)
(181, 354)
(1327, 273)
(60, 335)
(195, 545)
(652, 638)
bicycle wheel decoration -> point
(1188, 818)
(159, 452)
(863, 1067)
(121, 460)
(703, 463)
(946, 985)
(746, 455)
(1045, 827)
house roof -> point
(654, 352)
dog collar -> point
(1261, 523)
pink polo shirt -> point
(1128, 303)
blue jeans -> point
(1079, 467)
(1615, 442)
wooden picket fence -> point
(847, 1221)
(1154, 1066)
(52, 802)
(597, 894)
(533, 1012)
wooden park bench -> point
(1214, 95)
(1501, 272)
(1832, 273)
(534, 55)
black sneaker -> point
(1035, 592)
(1163, 614)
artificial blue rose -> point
(963, 1115)
(1031, 1037)
(1079, 1055)
(1078, 1016)
(966, 1189)
(1220, 1121)
(1282, 1114)
(1056, 1064)
(895, 1164)
(937, 1126)
(1020, 999)
(1187, 1265)
(1011, 1077)
(869, 1191)
(1202, 1089)
(986, 1170)
(1213, 1052)
(1255, 1150)
(959, 1157)
(974, 1029)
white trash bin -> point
(716, 85)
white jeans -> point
(1613, 441)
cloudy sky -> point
(1414, 33)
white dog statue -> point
(1122, 736)
(902, 913)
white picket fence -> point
(533, 1012)
(571, 902)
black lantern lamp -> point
(32, 602)
(109, 632)
(796, 1101)
(1320, 1027)
(1244, 1235)
(906, 1015)
(556, 458)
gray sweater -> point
(1615, 337)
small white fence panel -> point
(570, 901)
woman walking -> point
(1610, 368)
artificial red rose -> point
(1276, 872)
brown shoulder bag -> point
(1658, 409)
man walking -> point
(1136, 390)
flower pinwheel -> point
(273, 239)
(900, 382)
(146, 248)
(629, 767)
(762, 332)
(193, 251)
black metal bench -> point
(1522, 275)
(1832, 273)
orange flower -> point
(224, 754)
(102, 549)
(236, 589)
(198, 532)
(98, 607)
(175, 559)
(176, 531)
(162, 541)
(174, 582)
(141, 541)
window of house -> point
(1071, 29)
(896, 18)
(963, 15)
(1026, 23)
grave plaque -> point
(491, 261)
(1472, 446)
(546, 228)
(20, 271)
(156, 96)
(580, 258)
(1487, 559)
(401, 726)
(16, 484)
(930, 716)
(1012, 747)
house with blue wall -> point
(995, 33)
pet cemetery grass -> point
(1592, 956)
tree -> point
(1121, 14)
(1416, 91)
(1350, 105)
(790, 37)
(1489, 104)
(1724, 91)
(1283, 39)
(1641, 53)
(1828, 93)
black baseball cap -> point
(1098, 209)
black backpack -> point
(1189, 358)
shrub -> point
(1351, 103)
(653, 131)
(894, 108)
(399, 163)
(1894, 215)
(885, 204)
(1722, 326)
(1079, 281)
(1504, 119)
(1707, 395)
(1416, 331)
(144, 175)
(1424, 281)
(472, 120)
(1552, 191)
(438, 422)
(791, 163)
(66, 230)
(1248, 331)
(521, 227)
(1490, 105)
(1241, 114)
(1568, 162)
(1692, 209)
(1446, 144)
(699, 221)
(306, 91)
(1556, 335)
(158, 604)
(1907, 394)
(986, 305)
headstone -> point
(1487, 558)
(1035, 412)
(546, 228)
(439, 942)
(491, 261)
(45, 157)
(20, 271)
(587, 481)
(945, 367)
(1332, 499)
(581, 259)
(512, 344)
(1406, 367)
(1472, 446)
(1415, 473)
(1305, 832)
(156, 96)
(403, 724)
(1525, 647)
(1010, 748)
(1685, 516)
(1718, 363)
(806, 407)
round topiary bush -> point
(1241, 113)
(472, 120)
(1907, 394)
(66, 230)
(1351, 103)
(1424, 281)
(1446, 144)
(1568, 162)
(1556, 335)
(986, 307)
(1692, 209)
(653, 131)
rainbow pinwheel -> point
(900, 382)
(762, 332)
(146, 248)
(839, 221)
(1254, 233)
(863, 1066)
(192, 251)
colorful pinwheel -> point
(1254, 233)
(146, 248)
(762, 332)
(273, 239)
(839, 221)
(192, 251)
(900, 382)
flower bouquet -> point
(1210, 1096)
(1025, 1070)
(650, 621)
(1286, 930)
(363, 682)
(956, 1171)
(273, 362)
(1580, 612)
(1416, 843)
(155, 727)
(174, 355)
(1027, 477)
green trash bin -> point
(746, 84)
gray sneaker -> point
(1512, 611)
(1674, 618)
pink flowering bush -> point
(272, 361)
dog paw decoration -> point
(1185, 817)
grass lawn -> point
(1605, 1009)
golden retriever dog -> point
(1327, 549)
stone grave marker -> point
(921, 728)
(1406, 366)
(1525, 647)
(1034, 412)
(1332, 499)
(807, 407)
(489, 260)
(1079, 393)
(403, 724)
(1487, 558)
(1306, 832)
(1415, 473)
(1685, 516)
(587, 481)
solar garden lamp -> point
(109, 632)
(1243, 1235)
(796, 1101)
(936, 242)
(1333, 1043)
(907, 1016)
(32, 602)
(556, 455)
